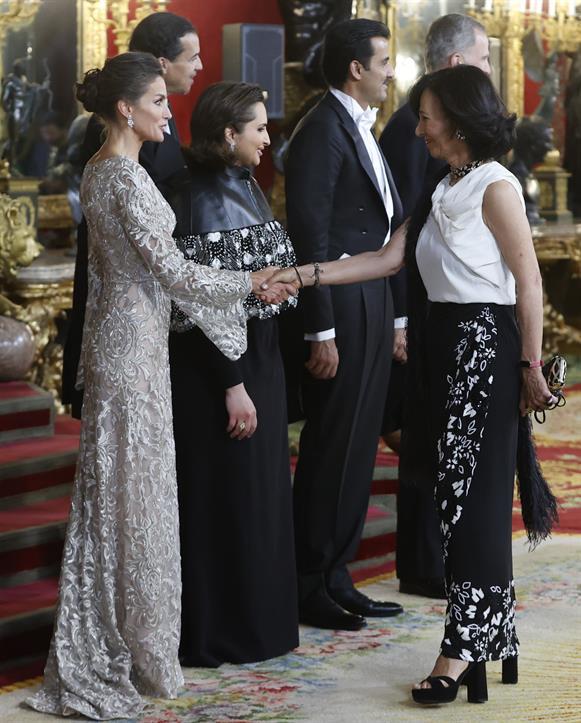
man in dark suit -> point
(340, 201)
(173, 40)
(452, 39)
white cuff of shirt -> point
(400, 323)
(321, 335)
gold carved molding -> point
(16, 13)
(18, 245)
(36, 286)
(121, 16)
(558, 249)
(39, 295)
(508, 25)
(91, 35)
(54, 212)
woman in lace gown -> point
(238, 568)
(117, 625)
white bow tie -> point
(367, 119)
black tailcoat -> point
(334, 207)
(419, 550)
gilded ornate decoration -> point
(36, 286)
(91, 35)
(39, 295)
(18, 245)
(553, 181)
(507, 23)
(16, 13)
(116, 16)
(54, 212)
(556, 23)
(558, 247)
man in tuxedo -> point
(341, 200)
(451, 40)
(174, 41)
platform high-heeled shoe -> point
(510, 670)
(445, 689)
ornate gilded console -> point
(36, 286)
(36, 281)
(558, 248)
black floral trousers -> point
(474, 386)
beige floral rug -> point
(366, 676)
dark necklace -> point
(456, 173)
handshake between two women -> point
(273, 285)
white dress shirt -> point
(364, 120)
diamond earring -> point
(130, 121)
(460, 136)
(232, 146)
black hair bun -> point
(88, 90)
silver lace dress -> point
(117, 626)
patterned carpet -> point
(559, 445)
(365, 677)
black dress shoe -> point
(359, 604)
(433, 588)
(322, 612)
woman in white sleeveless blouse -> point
(474, 362)
(117, 625)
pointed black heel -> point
(445, 689)
(510, 670)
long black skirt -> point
(474, 385)
(239, 600)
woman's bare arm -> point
(504, 215)
(365, 266)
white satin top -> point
(458, 257)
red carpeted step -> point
(31, 517)
(43, 557)
(31, 541)
(36, 473)
(26, 619)
(21, 599)
(35, 464)
(26, 411)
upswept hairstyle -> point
(347, 41)
(160, 34)
(124, 77)
(453, 33)
(221, 105)
(471, 103)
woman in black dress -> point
(238, 569)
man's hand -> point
(242, 420)
(324, 359)
(400, 345)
